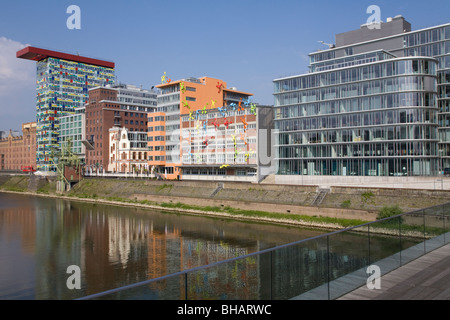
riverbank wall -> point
(336, 202)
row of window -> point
(213, 115)
(361, 73)
(348, 120)
(351, 60)
(357, 90)
(424, 37)
(142, 123)
(219, 158)
(411, 132)
(72, 125)
(163, 99)
(375, 149)
(218, 172)
(360, 167)
(369, 103)
(133, 156)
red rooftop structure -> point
(37, 54)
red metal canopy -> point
(37, 54)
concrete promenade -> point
(401, 182)
(425, 278)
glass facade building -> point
(374, 108)
(73, 127)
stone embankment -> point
(353, 203)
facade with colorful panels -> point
(62, 85)
(203, 130)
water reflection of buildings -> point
(17, 251)
(124, 248)
(117, 246)
(21, 220)
(58, 246)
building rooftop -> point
(38, 54)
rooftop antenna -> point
(330, 46)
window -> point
(447, 32)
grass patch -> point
(345, 223)
(165, 186)
(268, 215)
(367, 198)
(13, 189)
(346, 204)
(389, 211)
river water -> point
(113, 246)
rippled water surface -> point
(113, 246)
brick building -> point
(115, 106)
(18, 152)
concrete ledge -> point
(428, 183)
(267, 207)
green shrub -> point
(346, 204)
(389, 211)
(367, 198)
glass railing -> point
(324, 267)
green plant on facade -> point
(367, 198)
(346, 204)
(389, 211)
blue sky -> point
(246, 43)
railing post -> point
(368, 239)
(271, 276)
(185, 287)
(328, 266)
(424, 238)
(400, 237)
(443, 220)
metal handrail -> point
(269, 250)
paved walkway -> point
(426, 278)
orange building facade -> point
(18, 153)
(202, 129)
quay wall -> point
(347, 202)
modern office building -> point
(122, 106)
(73, 129)
(18, 152)
(374, 104)
(202, 129)
(62, 85)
